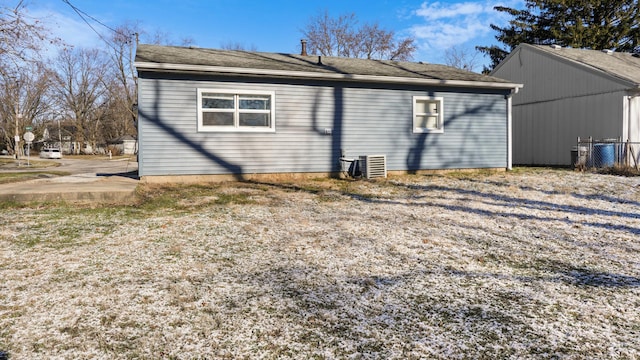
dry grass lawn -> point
(527, 264)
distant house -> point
(233, 114)
(126, 145)
(58, 136)
(570, 93)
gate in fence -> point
(605, 153)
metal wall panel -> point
(362, 120)
(547, 77)
(544, 133)
(559, 102)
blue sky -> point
(276, 25)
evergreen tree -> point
(591, 24)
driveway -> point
(99, 166)
(92, 179)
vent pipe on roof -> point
(320, 60)
(556, 47)
(607, 51)
(303, 52)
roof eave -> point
(167, 67)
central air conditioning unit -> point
(373, 166)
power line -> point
(83, 15)
(80, 13)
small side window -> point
(428, 115)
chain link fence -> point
(606, 153)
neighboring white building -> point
(570, 93)
(126, 145)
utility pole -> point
(17, 116)
(17, 137)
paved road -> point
(74, 166)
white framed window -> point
(428, 114)
(236, 110)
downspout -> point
(510, 130)
(627, 133)
(630, 115)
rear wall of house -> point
(314, 124)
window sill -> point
(427, 131)
(223, 129)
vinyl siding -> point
(363, 120)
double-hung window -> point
(223, 110)
(428, 116)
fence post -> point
(634, 157)
(590, 156)
(626, 154)
(618, 147)
(576, 164)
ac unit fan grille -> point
(374, 166)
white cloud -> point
(70, 29)
(437, 10)
(442, 35)
(467, 24)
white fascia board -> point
(323, 76)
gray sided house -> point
(235, 114)
(570, 93)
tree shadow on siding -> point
(336, 134)
(433, 144)
(154, 118)
(338, 112)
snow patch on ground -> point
(533, 264)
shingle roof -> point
(154, 57)
(625, 66)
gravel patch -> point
(529, 264)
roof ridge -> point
(254, 63)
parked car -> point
(51, 153)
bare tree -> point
(331, 36)
(159, 37)
(341, 36)
(10, 114)
(377, 43)
(116, 118)
(24, 101)
(403, 50)
(119, 110)
(231, 45)
(460, 58)
(80, 79)
(21, 36)
(124, 86)
(373, 40)
(23, 78)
